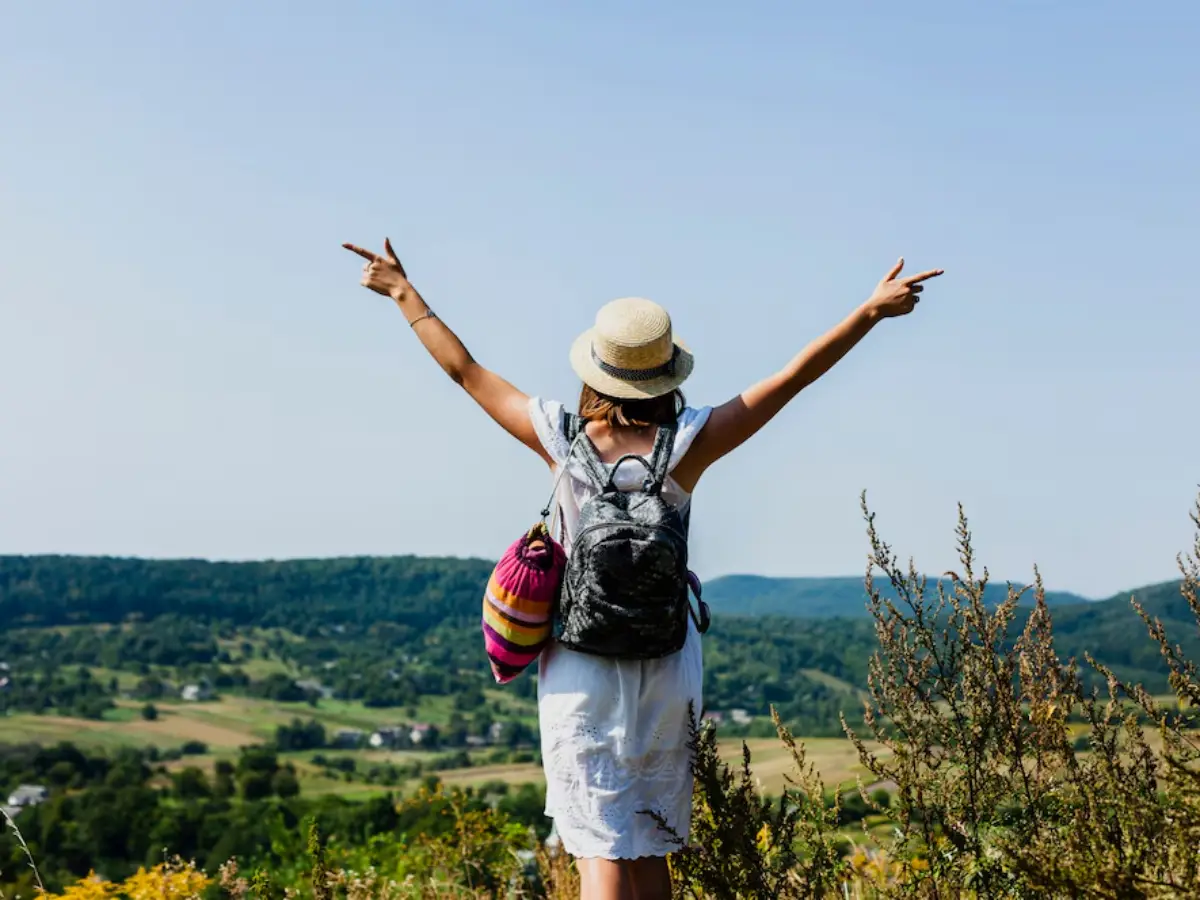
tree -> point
(256, 785)
(285, 784)
(300, 736)
(224, 785)
(150, 712)
(192, 784)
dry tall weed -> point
(992, 799)
(742, 845)
(20, 839)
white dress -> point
(615, 732)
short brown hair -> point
(597, 407)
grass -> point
(511, 773)
(834, 683)
(30, 729)
(835, 758)
(255, 664)
(126, 681)
(511, 704)
(232, 722)
(259, 668)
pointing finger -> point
(365, 254)
(924, 276)
(895, 269)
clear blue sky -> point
(189, 367)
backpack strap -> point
(584, 450)
(657, 466)
(575, 435)
(571, 425)
(703, 618)
(660, 456)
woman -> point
(615, 731)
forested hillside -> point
(387, 629)
(407, 590)
(385, 632)
(296, 594)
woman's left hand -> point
(384, 274)
(896, 296)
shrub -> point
(991, 796)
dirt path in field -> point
(79, 724)
(514, 773)
(171, 725)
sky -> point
(189, 367)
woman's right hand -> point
(384, 274)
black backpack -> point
(625, 590)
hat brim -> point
(599, 380)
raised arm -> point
(735, 422)
(508, 406)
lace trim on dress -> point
(594, 796)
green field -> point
(230, 723)
(833, 682)
(225, 724)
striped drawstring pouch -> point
(518, 608)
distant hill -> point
(821, 598)
(1112, 631)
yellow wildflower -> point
(166, 882)
(89, 888)
(764, 838)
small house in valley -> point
(388, 738)
(27, 795)
(196, 693)
(421, 733)
(316, 688)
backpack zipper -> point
(597, 527)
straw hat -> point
(631, 353)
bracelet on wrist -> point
(428, 314)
